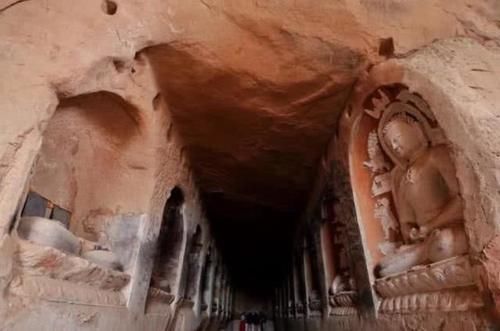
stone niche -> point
(339, 241)
(346, 288)
(88, 193)
(410, 206)
(169, 248)
(94, 162)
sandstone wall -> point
(104, 156)
(54, 52)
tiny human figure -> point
(242, 326)
(262, 320)
(426, 196)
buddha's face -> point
(404, 138)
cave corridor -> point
(249, 166)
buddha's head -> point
(404, 135)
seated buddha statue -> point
(426, 196)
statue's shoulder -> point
(440, 153)
(397, 174)
(440, 148)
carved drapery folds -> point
(421, 261)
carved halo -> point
(397, 108)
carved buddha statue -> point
(425, 193)
(342, 292)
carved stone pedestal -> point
(462, 299)
(343, 311)
(156, 294)
(185, 303)
(159, 301)
(343, 299)
(446, 285)
(299, 310)
(446, 274)
(35, 260)
(56, 290)
(314, 307)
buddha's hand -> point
(419, 233)
(414, 234)
(424, 231)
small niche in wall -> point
(91, 143)
(194, 260)
(205, 280)
(36, 205)
(169, 247)
(90, 185)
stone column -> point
(297, 289)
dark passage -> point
(258, 257)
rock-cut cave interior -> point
(198, 165)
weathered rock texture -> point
(234, 102)
(456, 78)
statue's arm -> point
(452, 213)
(406, 216)
(453, 210)
(442, 161)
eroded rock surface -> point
(253, 89)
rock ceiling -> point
(255, 140)
(256, 93)
(255, 88)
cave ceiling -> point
(255, 110)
